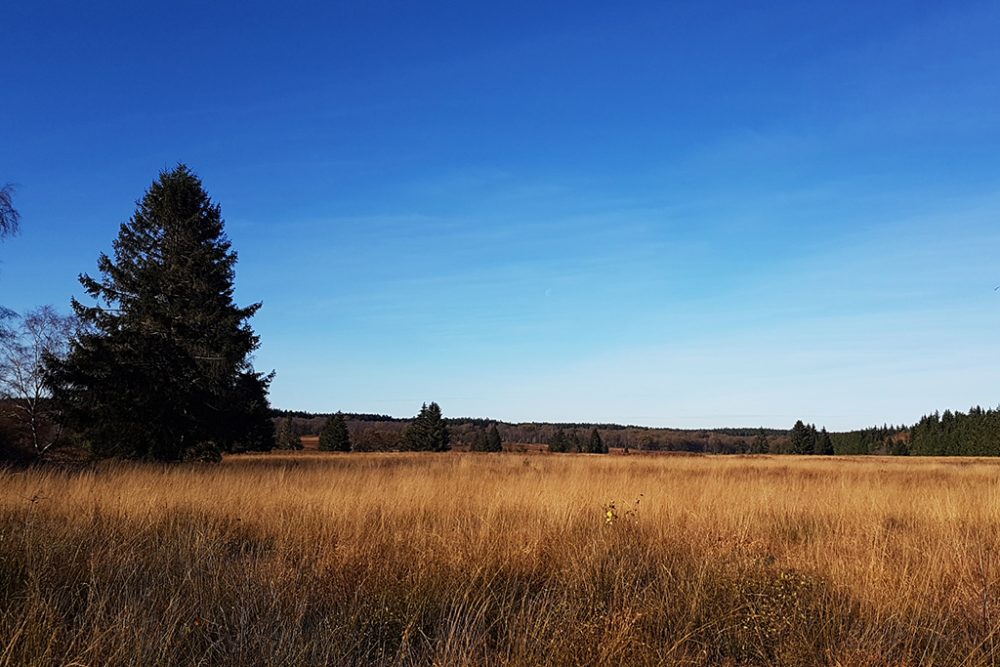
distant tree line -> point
(340, 432)
(883, 440)
(363, 416)
(952, 433)
(976, 433)
(562, 443)
(383, 433)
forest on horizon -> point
(975, 433)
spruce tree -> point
(416, 439)
(286, 435)
(596, 445)
(161, 368)
(480, 442)
(760, 444)
(493, 441)
(335, 437)
(558, 444)
(428, 431)
(801, 439)
(439, 436)
(824, 444)
(249, 422)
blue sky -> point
(680, 214)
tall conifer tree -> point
(162, 368)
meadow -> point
(510, 559)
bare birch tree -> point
(9, 217)
(24, 347)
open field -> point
(464, 559)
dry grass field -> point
(464, 559)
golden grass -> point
(465, 559)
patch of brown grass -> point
(464, 559)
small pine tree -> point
(760, 445)
(801, 439)
(824, 443)
(335, 437)
(596, 445)
(415, 438)
(480, 444)
(493, 441)
(428, 432)
(286, 435)
(558, 444)
(440, 437)
(575, 444)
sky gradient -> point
(674, 214)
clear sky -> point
(665, 213)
